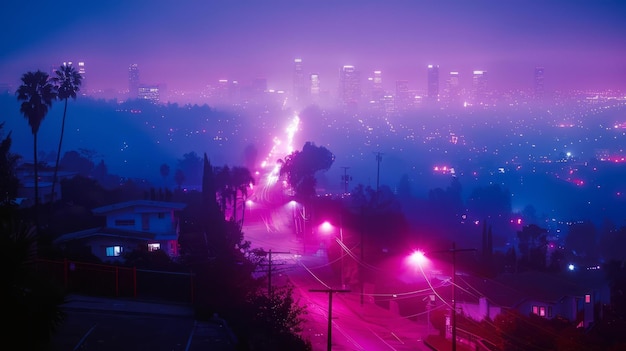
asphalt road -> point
(99, 324)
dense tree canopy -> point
(301, 166)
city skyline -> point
(189, 45)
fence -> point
(118, 281)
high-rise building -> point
(133, 81)
(315, 85)
(300, 88)
(376, 93)
(349, 86)
(403, 99)
(538, 83)
(433, 82)
(148, 92)
(377, 86)
(453, 89)
(479, 86)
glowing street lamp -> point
(327, 228)
(418, 257)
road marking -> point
(84, 338)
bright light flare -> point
(417, 258)
(417, 262)
(326, 227)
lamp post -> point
(327, 227)
(419, 257)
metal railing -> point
(119, 281)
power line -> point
(330, 293)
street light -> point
(418, 257)
(326, 227)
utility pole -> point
(453, 251)
(361, 275)
(346, 178)
(330, 292)
(379, 159)
(269, 272)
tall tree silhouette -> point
(241, 180)
(8, 163)
(301, 166)
(36, 94)
(67, 83)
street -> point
(354, 326)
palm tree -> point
(223, 185)
(241, 180)
(66, 83)
(36, 94)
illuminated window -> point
(536, 309)
(154, 247)
(114, 251)
(587, 298)
(542, 311)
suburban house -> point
(574, 298)
(26, 191)
(142, 224)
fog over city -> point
(241, 63)
(450, 117)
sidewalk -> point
(373, 314)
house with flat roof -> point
(131, 225)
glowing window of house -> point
(114, 251)
(542, 311)
(154, 247)
(536, 309)
(124, 222)
(587, 298)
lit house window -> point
(114, 251)
(587, 298)
(542, 311)
(154, 247)
(536, 310)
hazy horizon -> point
(187, 45)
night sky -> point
(189, 44)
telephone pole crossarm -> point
(330, 309)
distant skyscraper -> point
(376, 93)
(538, 82)
(315, 85)
(479, 86)
(403, 95)
(299, 81)
(133, 81)
(453, 88)
(433, 82)
(377, 86)
(149, 92)
(349, 86)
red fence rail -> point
(118, 281)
